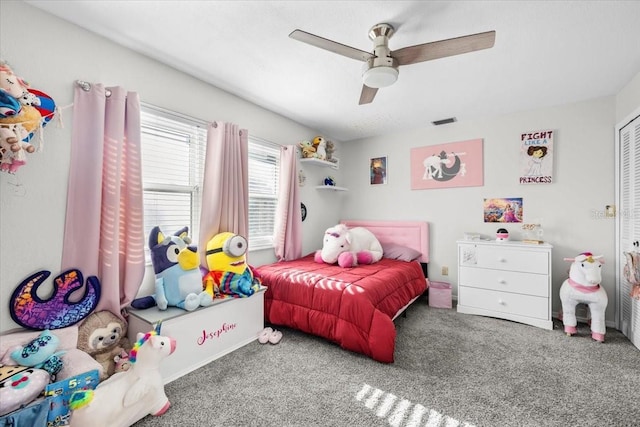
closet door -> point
(628, 221)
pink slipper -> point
(264, 336)
(275, 337)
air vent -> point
(444, 121)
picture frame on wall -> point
(506, 209)
(378, 170)
(536, 157)
(453, 164)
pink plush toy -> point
(583, 286)
(349, 247)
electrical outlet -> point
(445, 270)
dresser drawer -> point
(504, 258)
(504, 302)
(505, 281)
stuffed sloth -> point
(102, 335)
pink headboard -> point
(413, 234)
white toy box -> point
(202, 335)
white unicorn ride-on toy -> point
(583, 286)
(127, 397)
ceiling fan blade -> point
(443, 48)
(330, 45)
(367, 95)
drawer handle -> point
(502, 260)
(502, 281)
(501, 302)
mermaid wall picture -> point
(536, 154)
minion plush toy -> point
(229, 274)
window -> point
(173, 151)
(264, 167)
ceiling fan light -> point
(380, 76)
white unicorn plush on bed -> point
(583, 286)
(349, 247)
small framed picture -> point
(509, 209)
(378, 170)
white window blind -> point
(264, 170)
(173, 151)
(173, 148)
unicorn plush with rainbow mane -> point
(127, 397)
(583, 286)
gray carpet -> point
(451, 369)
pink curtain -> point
(288, 227)
(104, 233)
(225, 197)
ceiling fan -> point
(381, 66)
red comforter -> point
(353, 307)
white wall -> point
(628, 99)
(571, 208)
(51, 56)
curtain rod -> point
(86, 86)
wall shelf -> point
(318, 162)
(331, 187)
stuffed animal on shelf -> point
(228, 272)
(102, 335)
(178, 276)
(127, 397)
(40, 353)
(307, 149)
(320, 144)
(583, 286)
(330, 149)
(349, 247)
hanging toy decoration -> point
(23, 113)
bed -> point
(353, 307)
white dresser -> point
(508, 280)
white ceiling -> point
(546, 53)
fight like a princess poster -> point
(536, 157)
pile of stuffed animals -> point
(23, 112)
(318, 148)
(182, 283)
(47, 362)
